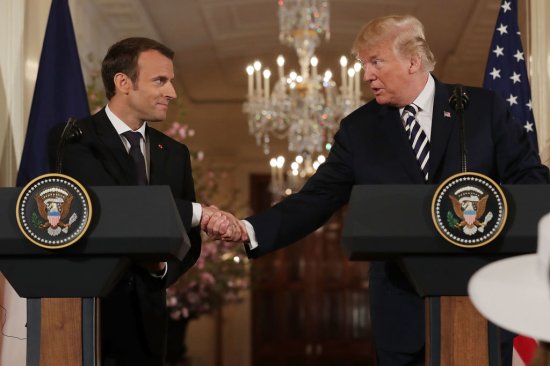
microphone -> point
(71, 133)
(459, 100)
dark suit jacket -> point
(133, 316)
(371, 147)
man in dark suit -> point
(117, 147)
(373, 146)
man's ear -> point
(122, 83)
(415, 64)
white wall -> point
(540, 72)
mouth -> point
(376, 91)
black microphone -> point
(71, 133)
(459, 99)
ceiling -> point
(214, 40)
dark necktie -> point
(417, 138)
(134, 138)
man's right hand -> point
(222, 225)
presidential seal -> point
(469, 210)
(53, 211)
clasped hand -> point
(222, 225)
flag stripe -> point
(506, 74)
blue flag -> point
(59, 92)
(506, 72)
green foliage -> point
(452, 221)
(36, 221)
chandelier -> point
(303, 107)
(286, 181)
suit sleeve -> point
(185, 208)
(302, 213)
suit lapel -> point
(398, 141)
(118, 163)
(157, 156)
(443, 122)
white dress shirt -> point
(121, 128)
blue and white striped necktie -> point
(417, 137)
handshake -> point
(222, 225)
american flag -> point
(506, 72)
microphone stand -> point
(71, 132)
(459, 101)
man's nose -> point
(170, 91)
(368, 74)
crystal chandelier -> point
(304, 107)
(286, 181)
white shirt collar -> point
(425, 100)
(122, 127)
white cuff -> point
(197, 214)
(161, 276)
(252, 242)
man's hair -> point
(407, 33)
(123, 57)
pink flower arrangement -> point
(218, 278)
(220, 275)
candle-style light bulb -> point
(343, 64)
(257, 67)
(343, 61)
(280, 161)
(314, 61)
(250, 72)
(280, 69)
(267, 75)
(351, 74)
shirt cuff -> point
(252, 242)
(197, 214)
(161, 275)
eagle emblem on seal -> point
(469, 205)
(54, 207)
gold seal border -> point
(495, 185)
(46, 176)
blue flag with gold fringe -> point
(59, 92)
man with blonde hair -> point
(408, 134)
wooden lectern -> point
(61, 285)
(393, 222)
